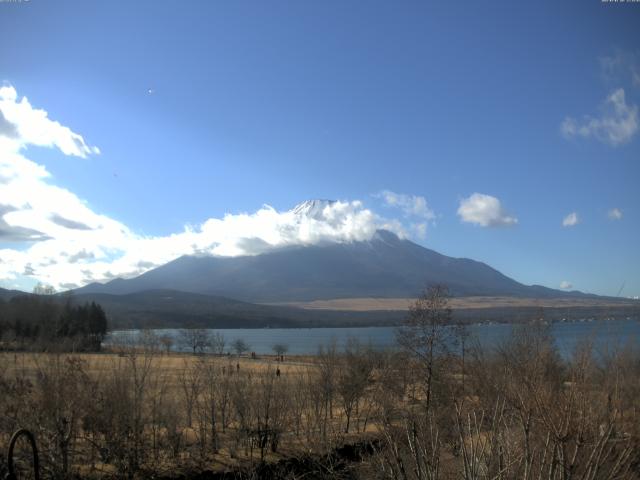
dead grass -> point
(402, 304)
(172, 365)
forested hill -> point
(46, 322)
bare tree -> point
(240, 346)
(426, 333)
(149, 341)
(224, 395)
(328, 363)
(218, 342)
(209, 400)
(190, 384)
(354, 377)
(157, 408)
(167, 342)
(280, 348)
(118, 412)
(541, 417)
(196, 339)
(299, 395)
(60, 394)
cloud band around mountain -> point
(52, 235)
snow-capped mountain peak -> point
(312, 208)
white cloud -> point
(420, 230)
(617, 124)
(54, 237)
(484, 210)
(414, 207)
(570, 220)
(35, 128)
(565, 285)
(410, 205)
(615, 214)
(103, 254)
(621, 65)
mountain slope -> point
(9, 294)
(174, 309)
(385, 266)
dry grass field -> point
(395, 304)
(194, 412)
(171, 365)
(140, 413)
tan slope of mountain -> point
(373, 304)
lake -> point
(605, 334)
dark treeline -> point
(41, 322)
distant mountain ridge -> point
(9, 294)
(385, 266)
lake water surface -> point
(605, 334)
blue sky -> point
(201, 109)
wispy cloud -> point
(414, 207)
(570, 220)
(615, 214)
(484, 210)
(420, 230)
(621, 66)
(616, 125)
(410, 205)
(565, 285)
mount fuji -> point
(384, 266)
